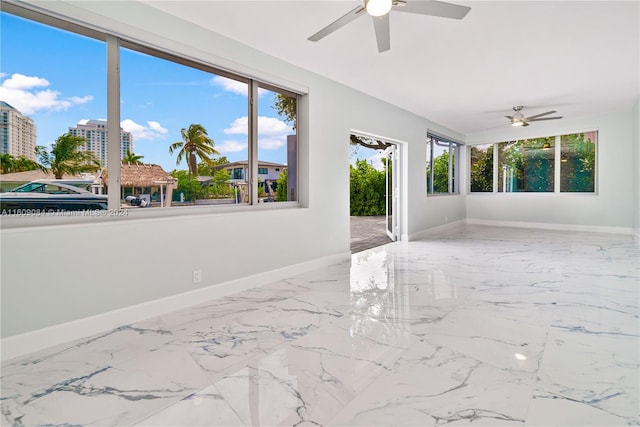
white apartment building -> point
(17, 133)
(95, 134)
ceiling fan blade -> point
(541, 114)
(433, 8)
(525, 123)
(509, 117)
(543, 118)
(381, 27)
(337, 24)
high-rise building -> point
(95, 134)
(17, 133)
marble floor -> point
(475, 326)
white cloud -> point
(266, 126)
(153, 130)
(26, 93)
(272, 143)
(234, 86)
(272, 132)
(230, 85)
(156, 127)
(20, 81)
(83, 121)
(81, 100)
(231, 146)
(272, 126)
(239, 126)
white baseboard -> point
(435, 230)
(519, 224)
(550, 226)
(22, 344)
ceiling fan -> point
(379, 11)
(518, 119)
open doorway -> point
(374, 192)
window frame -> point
(595, 162)
(453, 173)
(557, 165)
(114, 42)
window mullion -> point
(113, 121)
(253, 142)
(496, 167)
(431, 174)
(455, 179)
(557, 164)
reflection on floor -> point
(478, 326)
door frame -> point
(391, 192)
(400, 171)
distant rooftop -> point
(7, 105)
(246, 162)
(142, 175)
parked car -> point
(49, 195)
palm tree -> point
(66, 157)
(10, 164)
(195, 144)
(132, 158)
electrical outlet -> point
(197, 276)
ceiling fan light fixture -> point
(519, 119)
(379, 7)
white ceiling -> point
(579, 58)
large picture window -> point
(526, 165)
(563, 163)
(442, 165)
(189, 133)
(190, 128)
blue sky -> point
(59, 79)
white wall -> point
(61, 273)
(612, 207)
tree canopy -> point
(132, 158)
(440, 173)
(481, 169)
(11, 164)
(67, 158)
(368, 188)
(195, 144)
(286, 106)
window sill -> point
(134, 214)
(443, 194)
(529, 193)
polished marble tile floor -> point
(474, 326)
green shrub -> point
(367, 190)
